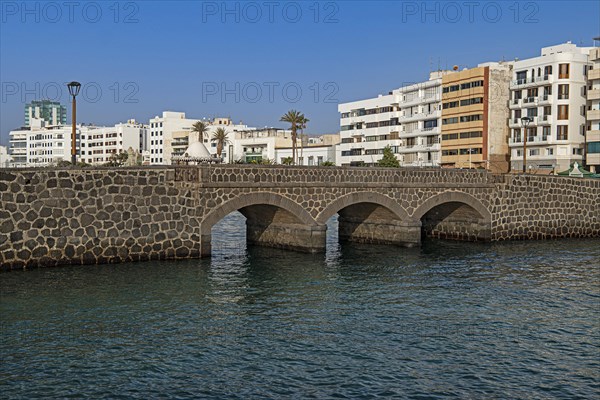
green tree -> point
(327, 164)
(297, 120)
(287, 161)
(201, 129)
(388, 160)
(220, 136)
(117, 160)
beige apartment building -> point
(474, 118)
(593, 112)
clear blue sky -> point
(146, 57)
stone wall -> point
(56, 217)
(82, 216)
(545, 207)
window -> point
(563, 92)
(562, 132)
(563, 112)
(545, 132)
(532, 112)
(593, 148)
(550, 151)
(451, 104)
(452, 88)
(471, 150)
(448, 121)
(517, 134)
(450, 136)
(468, 135)
(534, 152)
(474, 100)
(449, 152)
(547, 70)
(563, 71)
(429, 124)
(471, 118)
(577, 152)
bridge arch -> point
(362, 197)
(371, 217)
(271, 220)
(255, 199)
(454, 215)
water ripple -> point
(449, 320)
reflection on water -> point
(466, 320)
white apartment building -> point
(593, 112)
(160, 135)
(407, 119)
(314, 150)
(259, 144)
(5, 158)
(39, 146)
(99, 144)
(551, 90)
(17, 148)
(307, 155)
(231, 129)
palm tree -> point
(302, 126)
(201, 128)
(296, 119)
(220, 136)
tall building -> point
(407, 119)
(99, 144)
(39, 145)
(550, 90)
(474, 116)
(160, 133)
(17, 148)
(52, 112)
(593, 111)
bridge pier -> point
(299, 237)
(400, 233)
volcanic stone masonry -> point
(91, 216)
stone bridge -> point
(86, 216)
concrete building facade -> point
(592, 151)
(255, 145)
(40, 146)
(407, 120)
(549, 89)
(5, 158)
(52, 112)
(474, 117)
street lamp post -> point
(525, 123)
(74, 88)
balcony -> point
(593, 114)
(514, 103)
(594, 74)
(516, 122)
(530, 100)
(544, 99)
(545, 120)
(593, 94)
(531, 140)
(540, 80)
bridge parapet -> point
(281, 176)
